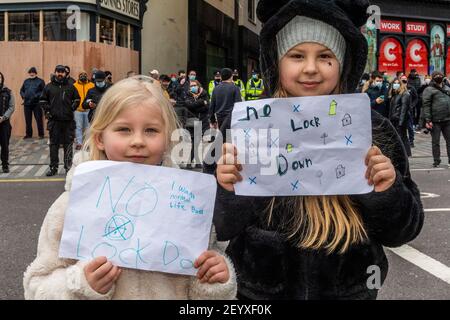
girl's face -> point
(309, 69)
(136, 135)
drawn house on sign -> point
(340, 171)
(347, 120)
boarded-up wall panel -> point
(17, 57)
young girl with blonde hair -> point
(133, 123)
(317, 247)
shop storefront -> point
(82, 34)
(413, 36)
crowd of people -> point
(69, 105)
(413, 105)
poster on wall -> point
(448, 61)
(417, 57)
(437, 50)
(391, 59)
(370, 32)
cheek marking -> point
(330, 64)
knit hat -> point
(32, 70)
(303, 29)
(331, 18)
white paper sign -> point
(303, 146)
(139, 216)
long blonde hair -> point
(320, 222)
(137, 90)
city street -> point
(419, 270)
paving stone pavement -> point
(29, 159)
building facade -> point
(83, 34)
(413, 34)
(201, 35)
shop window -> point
(251, 10)
(215, 59)
(121, 35)
(57, 26)
(437, 49)
(23, 26)
(2, 26)
(417, 57)
(134, 34)
(391, 56)
(106, 30)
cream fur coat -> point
(50, 277)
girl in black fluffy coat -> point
(322, 247)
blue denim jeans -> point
(81, 119)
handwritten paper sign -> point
(303, 146)
(139, 216)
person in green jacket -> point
(239, 83)
(255, 86)
(214, 83)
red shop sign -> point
(448, 30)
(391, 26)
(417, 28)
(417, 57)
(448, 60)
(391, 59)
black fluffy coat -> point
(269, 266)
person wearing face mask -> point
(197, 103)
(420, 120)
(239, 83)
(255, 87)
(436, 109)
(400, 102)
(214, 83)
(95, 94)
(59, 100)
(364, 79)
(30, 92)
(378, 94)
(70, 80)
(7, 106)
(83, 85)
(412, 110)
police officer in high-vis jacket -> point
(214, 83)
(6, 110)
(239, 83)
(255, 86)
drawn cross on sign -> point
(274, 143)
(349, 139)
(295, 185)
(116, 228)
(252, 180)
(296, 108)
(247, 135)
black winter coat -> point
(374, 93)
(198, 106)
(436, 103)
(94, 94)
(60, 100)
(399, 111)
(268, 266)
(31, 91)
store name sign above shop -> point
(128, 8)
(391, 26)
(416, 28)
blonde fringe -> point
(321, 222)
